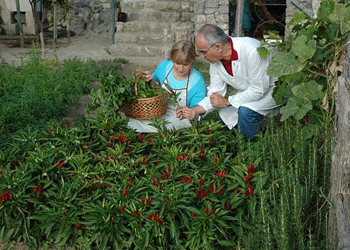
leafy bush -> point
(99, 183)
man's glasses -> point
(206, 51)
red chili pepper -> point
(143, 201)
(193, 214)
(180, 157)
(201, 155)
(250, 168)
(211, 189)
(246, 193)
(186, 180)
(150, 140)
(78, 226)
(149, 200)
(122, 138)
(206, 210)
(125, 193)
(227, 206)
(207, 132)
(250, 189)
(137, 214)
(203, 193)
(122, 209)
(247, 179)
(200, 181)
(141, 138)
(220, 174)
(60, 164)
(212, 211)
(222, 191)
(216, 160)
(161, 220)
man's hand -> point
(219, 101)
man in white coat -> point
(234, 61)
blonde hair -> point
(183, 52)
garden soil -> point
(95, 48)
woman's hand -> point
(179, 113)
(147, 76)
(189, 113)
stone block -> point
(187, 17)
(199, 8)
(209, 11)
(211, 19)
(212, 4)
(201, 19)
(221, 18)
(223, 9)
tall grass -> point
(292, 211)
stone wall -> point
(308, 6)
(92, 17)
(212, 12)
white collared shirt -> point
(253, 86)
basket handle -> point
(137, 77)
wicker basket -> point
(146, 108)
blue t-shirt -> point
(196, 86)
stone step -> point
(151, 27)
(145, 63)
(152, 16)
(133, 49)
(169, 6)
(159, 38)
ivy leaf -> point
(297, 107)
(303, 48)
(263, 52)
(283, 63)
(310, 90)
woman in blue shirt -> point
(180, 75)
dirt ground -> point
(95, 48)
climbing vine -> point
(307, 65)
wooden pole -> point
(113, 20)
(20, 24)
(239, 18)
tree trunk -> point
(339, 215)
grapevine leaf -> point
(345, 25)
(303, 48)
(310, 90)
(297, 107)
(283, 63)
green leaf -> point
(263, 52)
(303, 48)
(226, 243)
(325, 10)
(283, 63)
(297, 107)
(310, 90)
(172, 229)
(298, 17)
(280, 92)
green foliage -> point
(120, 189)
(315, 46)
(40, 90)
(292, 209)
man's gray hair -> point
(213, 34)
